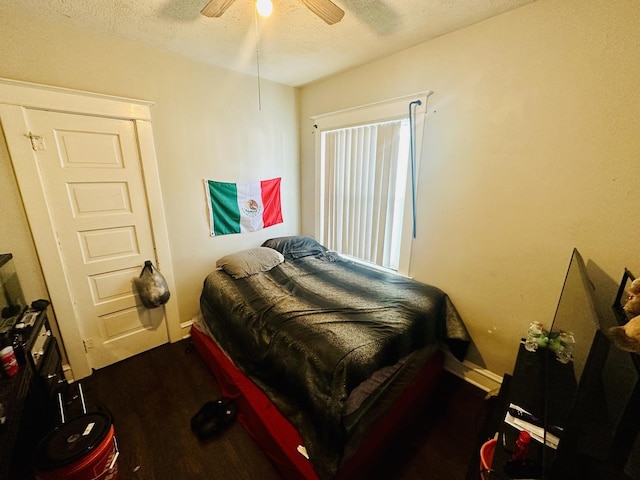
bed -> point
(326, 358)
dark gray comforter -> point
(312, 329)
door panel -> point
(108, 244)
(105, 149)
(115, 198)
(92, 178)
(111, 291)
(126, 321)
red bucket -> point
(84, 448)
(486, 457)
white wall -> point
(533, 148)
(206, 125)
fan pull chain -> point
(255, 14)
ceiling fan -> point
(325, 9)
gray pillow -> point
(248, 262)
(297, 246)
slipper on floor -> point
(213, 417)
(207, 411)
(224, 416)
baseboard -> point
(68, 373)
(185, 327)
(472, 373)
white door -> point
(91, 174)
(90, 170)
(93, 218)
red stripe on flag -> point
(272, 213)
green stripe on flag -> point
(224, 207)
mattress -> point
(325, 339)
(281, 441)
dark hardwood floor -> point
(153, 396)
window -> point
(364, 184)
(365, 169)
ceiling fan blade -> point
(326, 10)
(216, 8)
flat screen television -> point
(602, 421)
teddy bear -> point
(627, 336)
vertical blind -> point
(361, 168)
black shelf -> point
(29, 400)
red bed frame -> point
(278, 437)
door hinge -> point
(37, 142)
(88, 344)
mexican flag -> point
(243, 207)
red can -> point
(84, 448)
(9, 360)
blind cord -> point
(412, 139)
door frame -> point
(14, 97)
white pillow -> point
(248, 262)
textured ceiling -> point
(294, 46)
